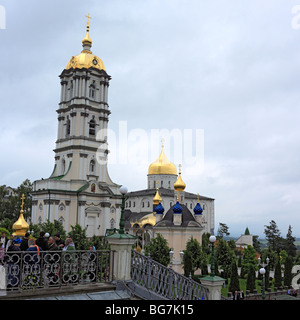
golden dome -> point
(86, 59)
(162, 165)
(179, 185)
(147, 219)
(20, 227)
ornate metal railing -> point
(28, 270)
(164, 281)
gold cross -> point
(162, 143)
(198, 197)
(157, 184)
(22, 198)
(88, 16)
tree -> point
(10, 206)
(159, 250)
(251, 278)
(224, 257)
(79, 238)
(291, 249)
(248, 260)
(223, 229)
(273, 235)
(288, 271)
(277, 274)
(193, 246)
(187, 263)
(234, 278)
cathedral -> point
(79, 190)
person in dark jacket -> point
(42, 242)
(24, 243)
(59, 242)
(52, 244)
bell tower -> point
(79, 190)
(83, 112)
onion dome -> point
(159, 209)
(162, 165)
(179, 185)
(157, 199)
(20, 227)
(177, 208)
(198, 209)
(86, 59)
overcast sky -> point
(227, 69)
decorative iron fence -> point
(164, 281)
(28, 270)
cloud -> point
(231, 69)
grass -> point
(243, 284)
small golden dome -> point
(20, 227)
(162, 165)
(179, 185)
(157, 199)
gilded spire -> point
(87, 41)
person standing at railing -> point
(52, 245)
(4, 239)
(69, 262)
(13, 260)
(59, 241)
(42, 242)
(24, 243)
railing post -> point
(148, 283)
(170, 283)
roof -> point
(165, 193)
(188, 219)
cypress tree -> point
(277, 275)
(288, 271)
(234, 279)
(251, 278)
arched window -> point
(63, 166)
(92, 130)
(68, 127)
(92, 166)
(92, 91)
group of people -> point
(292, 293)
(15, 244)
(238, 295)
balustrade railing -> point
(164, 281)
(28, 270)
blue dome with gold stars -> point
(159, 209)
(198, 209)
(177, 208)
